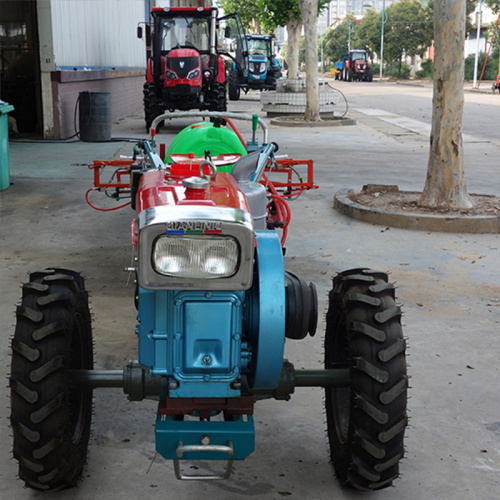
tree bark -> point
(293, 27)
(445, 184)
(309, 11)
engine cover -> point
(194, 338)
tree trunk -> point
(445, 184)
(309, 11)
(293, 27)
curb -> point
(294, 121)
(420, 222)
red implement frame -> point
(286, 167)
(278, 190)
(123, 170)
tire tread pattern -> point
(364, 332)
(50, 419)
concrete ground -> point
(449, 285)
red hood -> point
(157, 188)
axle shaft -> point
(138, 383)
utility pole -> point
(477, 43)
(383, 16)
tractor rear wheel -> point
(367, 419)
(271, 81)
(234, 86)
(51, 418)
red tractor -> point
(185, 68)
(355, 66)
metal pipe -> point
(97, 378)
(138, 383)
(291, 378)
(261, 165)
(213, 34)
(209, 114)
(478, 35)
(134, 379)
(322, 378)
(383, 18)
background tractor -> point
(186, 47)
(215, 306)
(354, 66)
(263, 67)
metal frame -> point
(212, 114)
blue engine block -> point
(203, 341)
(194, 338)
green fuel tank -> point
(203, 136)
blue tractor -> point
(263, 67)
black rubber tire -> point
(366, 421)
(152, 105)
(234, 86)
(50, 418)
(271, 81)
(217, 97)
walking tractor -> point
(214, 308)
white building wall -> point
(98, 34)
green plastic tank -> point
(203, 136)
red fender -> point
(221, 70)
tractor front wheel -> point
(367, 419)
(217, 97)
(152, 104)
(50, 417)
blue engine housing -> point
(193, 337)
(204, 341)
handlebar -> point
(213, 114)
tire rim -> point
(341, 396)
(341, 410)
(78, 397)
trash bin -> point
(5, 108)
(95, 116)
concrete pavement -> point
(449, 285)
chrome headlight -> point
(200, 248)
(196, 257)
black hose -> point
(345, 99)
